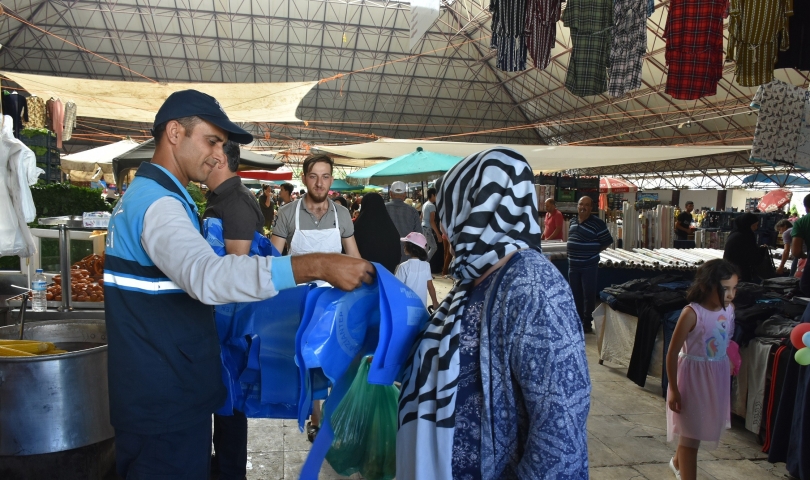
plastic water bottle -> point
(38, 301)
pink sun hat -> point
(416, 238)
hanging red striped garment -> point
(541, 29)
(694, 51)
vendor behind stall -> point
(683, 224)
(161, 276)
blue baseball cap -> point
(191, 103)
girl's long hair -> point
(707, 281)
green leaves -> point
(57, 199)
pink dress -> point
(704, 379)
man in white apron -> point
(315, 224)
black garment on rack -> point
(16, 106)
(798, 55)
(748, 294)
(746, 321)
(790, 439)
(650, 316)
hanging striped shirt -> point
(585, 241)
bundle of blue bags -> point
(311, 343)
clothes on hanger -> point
(36, 112)
(797, 54)
(628, 46)
(541, 29)
(56, 118)
(591, 25)
(757, 31)
(509, 34)
(781, 109)
(15, 106)
(694, 50)
(70, 120)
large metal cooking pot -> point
(55, 402)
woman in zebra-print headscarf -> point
(497, 386)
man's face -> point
(285, 195)
(689, 207)
(318, 181)
(550, 207)
(584, 206)
(200, 151)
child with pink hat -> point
(415, 272)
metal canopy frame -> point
(452, 90)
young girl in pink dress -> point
(698, 366)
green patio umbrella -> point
(341, 186)
(418, 166)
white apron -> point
(316, 241)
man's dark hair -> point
(187, 122)
(341, 201)
(287, 187)
(784, 223)
(431, 192)
(807, 201)
(311, 160)
(266, 186)
(690, 202)
(233, 154)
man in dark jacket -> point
(741, 246)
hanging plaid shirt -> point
(757, 30)
(628, 46)
(541, 29)
(591, 24)
(694, 52)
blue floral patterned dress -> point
(470, 397)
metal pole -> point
(64, 266)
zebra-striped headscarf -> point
(488, 206)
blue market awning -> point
(781, 180)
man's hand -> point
(341, 271)
(780, 270)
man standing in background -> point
(683, 224)
(552, 228)
(241, 216)
(429, 229)
(587, 236)
(405, 217)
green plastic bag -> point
(365, 426)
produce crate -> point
(588, 183)
(545, 180)
(564, 195)
(567, 182)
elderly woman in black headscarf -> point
(741, 246)
(375, 233)
(497, 386)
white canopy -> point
(91, 164)
(140, 101)
(544, 158)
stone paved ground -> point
(626, 436)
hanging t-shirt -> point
(776, 136)
(415, 274)
(803, 147)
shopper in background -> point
(405, 217)
(496, 389)
(587, 236)
(415, 272)
(285, 194)
(241, 217)
(429, 228)
(741, 246)
(267, 206)
(342, 202)
(164, 368)
(698, 367)
(783, 227)
(553, 226)
(376, 236)
(683, 224)
(801, 243)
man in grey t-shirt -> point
(429, 223)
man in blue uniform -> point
(161, 277)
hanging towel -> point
(70, 120)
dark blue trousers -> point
(583, 286)
(230, 446)
(181, 455)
